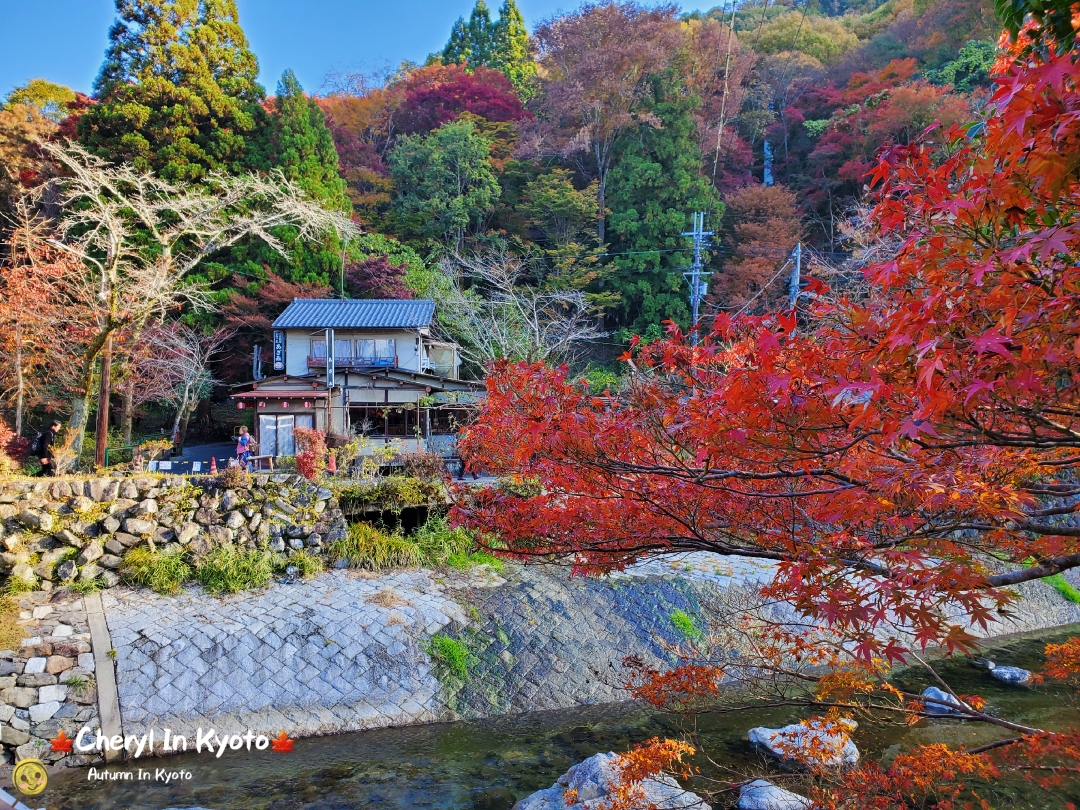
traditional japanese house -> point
(360, 367)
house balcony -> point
(354, 363)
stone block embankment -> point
(55, 533)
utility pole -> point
(796, 278)
(695, 275)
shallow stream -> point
(487, 765)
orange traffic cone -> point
(213, 466)
(331, 465)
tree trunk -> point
(20, 381)
(127, 414)
(183, 430)
(104, 383)
(601, 199)
(80, 415)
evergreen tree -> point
(655, 184)
(458, 50)
(503, 45)
(178, 91)
(481, 35)
(510, 53)
(303, 147)
(444, 181)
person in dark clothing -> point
(43, 450)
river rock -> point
(1011, 675)
(783, 743)
(592, 780)
(934, 693)
(762, 795)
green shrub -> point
(684, 623)
(228, 569)
(368, 547)
(452, 654)
(393, 494)
(439, 542)
(161, 572)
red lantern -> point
(284, 403)
(262, 404)
(240, 405)
(307, 404)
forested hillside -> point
(578, 150)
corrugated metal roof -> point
(329, 313)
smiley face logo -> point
(30, 777)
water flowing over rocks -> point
(592, 780)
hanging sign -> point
(279, 350)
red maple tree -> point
(902, 459)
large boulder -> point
(934, 693)
(592, 780)
(793, 745)
(762, 795)
(1011, 675)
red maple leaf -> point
(61, 743)
(282, 744)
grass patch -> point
(227, 569)
(85, 586)
(463, 562)
(439, 542)
(1062, 586)
(307, 565)
(161, 572)
(452, 654)
(368, 547)
(684, 623)
(18, 585)
(11, 632)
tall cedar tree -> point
(178, 90)
(512, 54)
(502, 45)
(657, 178)
(303, 147)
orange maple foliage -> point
(881, 452)
(903, 458)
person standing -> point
(43, 449)
(243, 448)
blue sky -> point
(64, 40)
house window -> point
(365, 349)
(396, 421)
(385, 350)
(276, 432)
(342, 349)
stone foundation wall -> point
(58, 532)
(48, 684)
